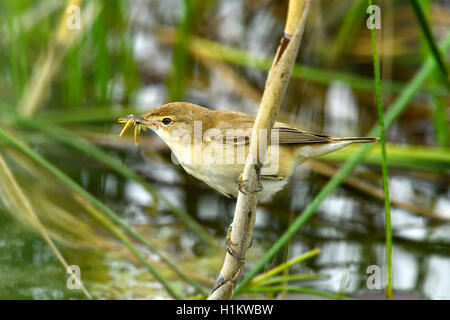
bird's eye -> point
(166, 121)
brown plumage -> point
(225, 132)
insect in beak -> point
(133, 120)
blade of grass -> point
(102, 58)
(75, 187)
(74, 91)
(129, 67)
(46, 66)
(289, 278)
(178, 76)
(396, 109)
(28, 19)
(17, 48)
(297, 290)
(402, 156)
(120, 235)
(33, 218)
(387, 204)
(346, 32)
(440, 119)
(430, 41)
(287, 252)
(265, 276)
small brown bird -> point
(213, 145)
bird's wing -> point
(292, 135)
(287, 134)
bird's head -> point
(174, 122)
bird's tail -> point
(333, 144)
(355, 139)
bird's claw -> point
(243, 187)
(230, 244)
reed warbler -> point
(213, 145)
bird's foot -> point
(243, 187)
(230, 245)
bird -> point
(212, 145)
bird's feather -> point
(286, 134)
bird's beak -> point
(137, 119)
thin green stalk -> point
(346, 32)
(284, 266)
(120, 235)
(49, 61)
(403, 156)
(32, 217)
(440, 120)
(387, 204)
(102, 58)
(290, 278)
(287, 251)
(130, 68)
(178, 77)
(28, 18)
(79, 190)
(430, 40)
(74, 91)
(17, 48)
(396, 109)
(296, 289)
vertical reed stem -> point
(387, 205)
